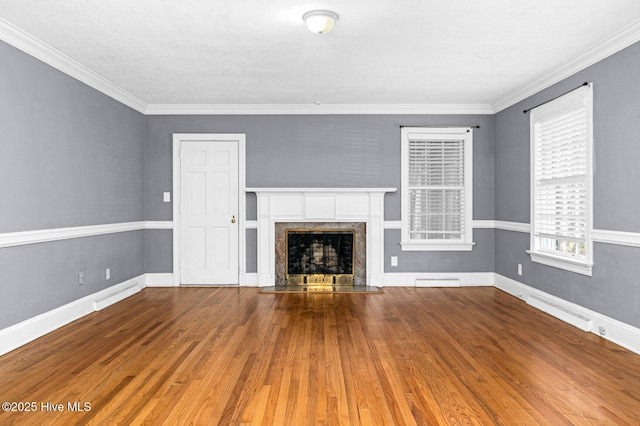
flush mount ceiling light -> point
(320, 21)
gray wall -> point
(324, 151)
(38, 278)
(613, 290)
(69, 156)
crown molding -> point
(313, 109)
(607, 47)
(19, 39)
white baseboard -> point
(615, 331)
(251, 279)
(26, 331)
(166, 280)
(159, 280)
(438, 279)
(420, 279)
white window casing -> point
(436, 190)
(562, 182)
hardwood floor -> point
(232, 356)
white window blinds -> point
(561, 177)
(436, 188)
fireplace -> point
(320, 253)
(319, 256)
(325, 208)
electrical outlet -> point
(394, 260)
(602, 330)
(107, 274)
(166, 197)
(80, 278)
(520, 269)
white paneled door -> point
(209, 212)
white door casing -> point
(208, 243)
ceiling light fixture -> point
(320, 21)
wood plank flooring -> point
(231, 356)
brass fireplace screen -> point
(320, 256)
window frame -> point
(579, 98)
(437, 133)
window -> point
(436, 188)
(561, 182)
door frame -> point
(240, 139)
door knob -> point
(233, 219)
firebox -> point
(320, 256)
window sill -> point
(576, 266)
(436, 246)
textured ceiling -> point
(380, 52)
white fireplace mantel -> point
(320, 205)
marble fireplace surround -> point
(320, 205)
(359, 260)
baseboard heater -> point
(561, 312)
(109, 300)
(437, 282)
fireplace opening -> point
(320, 256)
